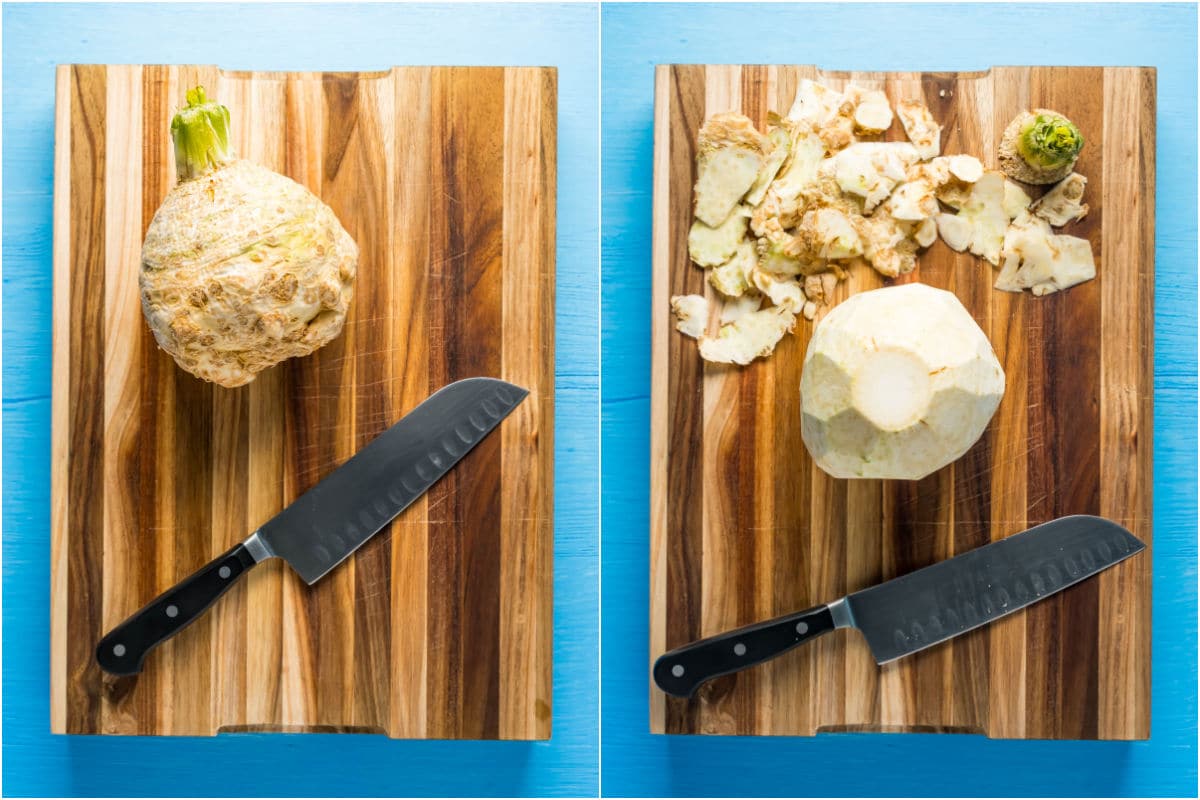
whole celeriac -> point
(241, 267)
(897, 383)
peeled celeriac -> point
(241, 267)
(897, 383)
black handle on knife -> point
(122, 651)
(681, 671)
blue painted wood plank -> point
(892, 37)
(292, 37)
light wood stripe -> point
(523, 619)
(1124, 685)
(375, 375)
(263, 633)
(1038, 673)
(161, 471)
(60, 403)
(660, 333)
(124, 540)
(719, 585)
(410, 534)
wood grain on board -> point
(745, 527)
(439, 627)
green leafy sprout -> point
(200, 131)
(1050, 141)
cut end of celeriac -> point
(897, 383)
(892, 389)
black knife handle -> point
(122, 651)
(681, 671)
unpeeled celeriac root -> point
(241, 267)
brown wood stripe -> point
(156, 506)
(332, 632)
(466, 259)
(924, 510)
(684, 465)
(970, 129)
(1080, 95)
(85, 475)
(304, 156)
(444, 575)
(1047, 453)
(789, 504)
(478, 278)
(1008, 332)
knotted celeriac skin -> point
(243, 268)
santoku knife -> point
(332, 519)
(922, 608)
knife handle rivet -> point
(677, 670)
(224, 572)
(739, 649)
(118, 650)
(801, 628)
(172, 611)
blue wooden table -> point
(299, 37)
(892, 37)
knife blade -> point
(920, 609)
(323, 526)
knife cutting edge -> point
(920, 609)
(323, 526)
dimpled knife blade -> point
(332, 519)
(943, 600)
(920, 609)
(354, 502)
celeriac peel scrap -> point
(829, 197)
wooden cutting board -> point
(744, 526)
(437, 628)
